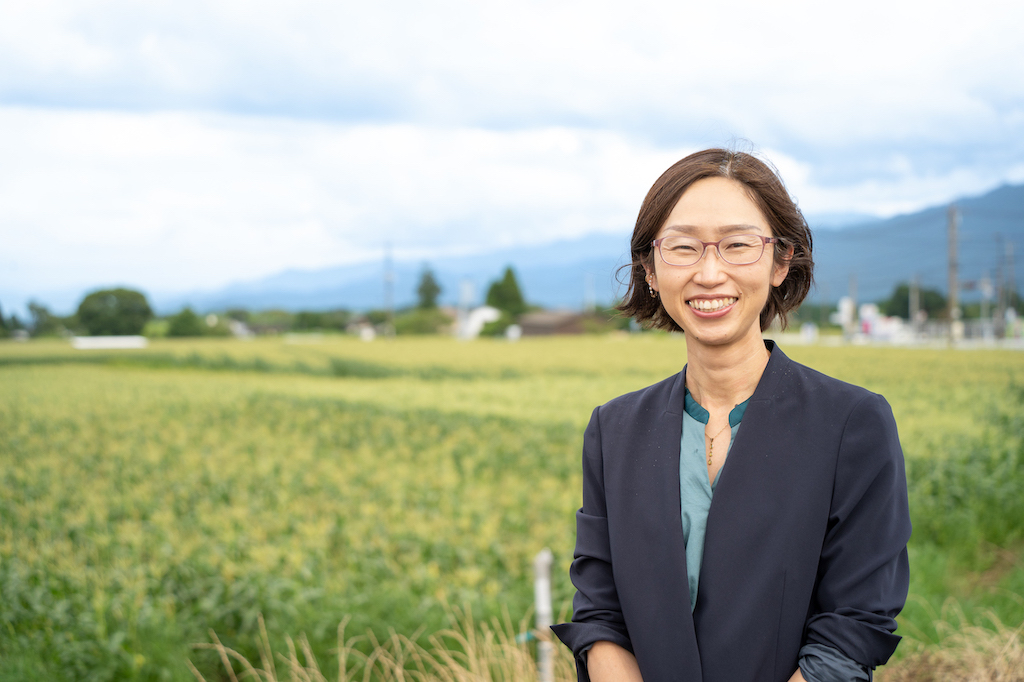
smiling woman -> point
(709, 296)
(768, 498)
(759, 204)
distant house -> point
(108, 342)
(548, 322)
(240, 330)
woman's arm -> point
(797, 676)
(863, 573)
(597, 615)
(608, 662)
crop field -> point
(148, 497)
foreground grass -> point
(146, 498)
(967, 652)
(491, 652)
(464, 652)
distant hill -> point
(882, 253)
(565, 274)
(561, 274)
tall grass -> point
(967, 510)
(491, 652)
(985, 651)
(465, 652)
(975, 496)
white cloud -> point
(180, 201)
(820, 72)
(179, 145)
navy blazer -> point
(806, 537)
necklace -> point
(711, 445)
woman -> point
(747, 518)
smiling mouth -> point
(710, 305)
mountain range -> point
(868, 256)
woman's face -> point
(716, 303)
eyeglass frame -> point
(656, 244)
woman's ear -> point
(650, 278)
(782, 267)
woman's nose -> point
(710, 268)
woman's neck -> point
(721, 378)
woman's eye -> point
(740, 244)
(682, 247)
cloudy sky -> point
(178, 146)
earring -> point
(654, 294)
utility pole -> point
(853, 303)
(986, 299)
(1000, 316)
(1011, 284)
(823, 313)
(914, 306)
(1012, 299)
(389, 291)
(955, 326)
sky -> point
(181, 146)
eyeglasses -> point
(737, 249)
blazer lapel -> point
(742, 532)
(746, 474)
(658, 557)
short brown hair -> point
(766, 190)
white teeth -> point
(711, 305)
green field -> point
(151, 496)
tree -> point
(114, 312)
(377, 317)
(4, 332)
(306, 320)
(186, 323)
(240, 314)
(505, 295)
(898, 305)
(428, 290)
(421, 321)
(44, 323)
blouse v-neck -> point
(695, 490)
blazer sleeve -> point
(863, 573)
(597, 615)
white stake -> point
(542, 598)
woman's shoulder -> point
(659, 397)
(792, 375)
(792, 382)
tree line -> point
(123, 311)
